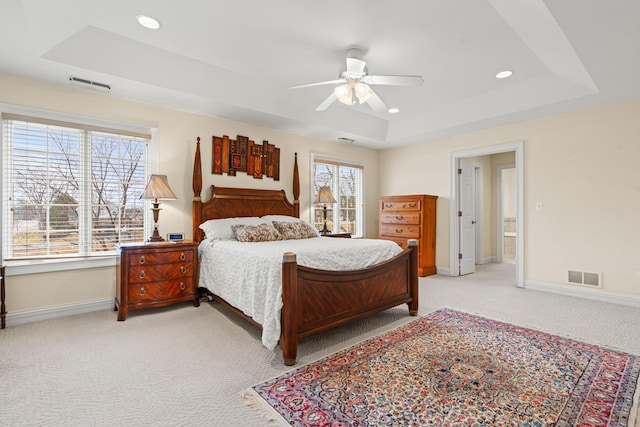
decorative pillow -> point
(255, 233)
(294, 230)
(271, 219)
(220, 229)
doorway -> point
(459, 231)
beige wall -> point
(176, 138)
(582, 166)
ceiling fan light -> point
(363, 92)
(345, 94)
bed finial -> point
(296, 185)
(197, 173)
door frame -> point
(454, 232)
(500, 210)
(477, 178)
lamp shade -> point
(158, 188)
(324, 195)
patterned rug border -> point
(254, 400)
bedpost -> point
(296, 186)
(196, 209)
(289, 322)
(413, 279)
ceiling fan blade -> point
(325, 104)
(376, 103)
(328, 82)
(393, 80)
(355, 66)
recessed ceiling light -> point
(148, 22)
(394, 110)
(504, 74)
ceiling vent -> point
(346, 140)
(91, 85)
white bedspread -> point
(249, 275)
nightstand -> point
(155, 274)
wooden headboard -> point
(226, 202)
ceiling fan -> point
(355, 84)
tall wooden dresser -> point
(411, 217)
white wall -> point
(176, 137)
(583, 166)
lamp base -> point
(155, 237)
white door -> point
(466, 216)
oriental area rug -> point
(455, 369)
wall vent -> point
(584, 278)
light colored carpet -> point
(182, 365)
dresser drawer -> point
(168, 257)
(401, 205)
(401, 218)
(400, 230)
(402, 242)
(160, 290)
(145, 274)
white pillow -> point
(220, 229)
(270, 219)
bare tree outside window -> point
(70, 192)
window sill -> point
(18, 268)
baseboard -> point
(597, 295)
(47, 313)
(443, 271)
(488, 260)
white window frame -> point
(45, 265)
(360, 214)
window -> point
(346, 181)
(69, 190)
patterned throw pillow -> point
(294, 230)
(255, 233)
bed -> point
(312, 299)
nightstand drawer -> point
(400, 218)
(137, 259)
(144, 274)
(401, 230)
(160, 290)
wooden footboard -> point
(316, 300)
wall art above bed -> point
(244, 155)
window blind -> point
(69, 190)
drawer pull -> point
(411, 205)
(399, 230)
(388, 205)
(142, 260)
(399, 217)
(182, 256)
(142, 291)
(182, 286)
(141, 275)
(182, 269)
